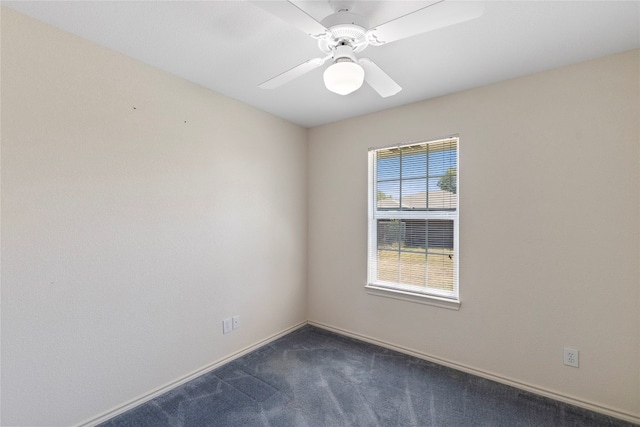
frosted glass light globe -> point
(344, 77)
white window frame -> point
(430, 296)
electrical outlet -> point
(571, 357)
(226, 325)
(236, 322)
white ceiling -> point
(232, 46)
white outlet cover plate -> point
(571, 357)
(226, 326)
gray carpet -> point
(316, 378)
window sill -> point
(413, 297)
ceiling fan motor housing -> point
(346, 28)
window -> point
(413, 219)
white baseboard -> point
(178, 382)
(490, 376)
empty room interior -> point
(183, 184)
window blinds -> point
(413, 217)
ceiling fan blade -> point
(292, 14)
(437, 15)
(378, 79)
(293, 73)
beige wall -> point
(138, 210)
(549, 231)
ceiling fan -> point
(344, 33)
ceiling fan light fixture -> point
(344, 76)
